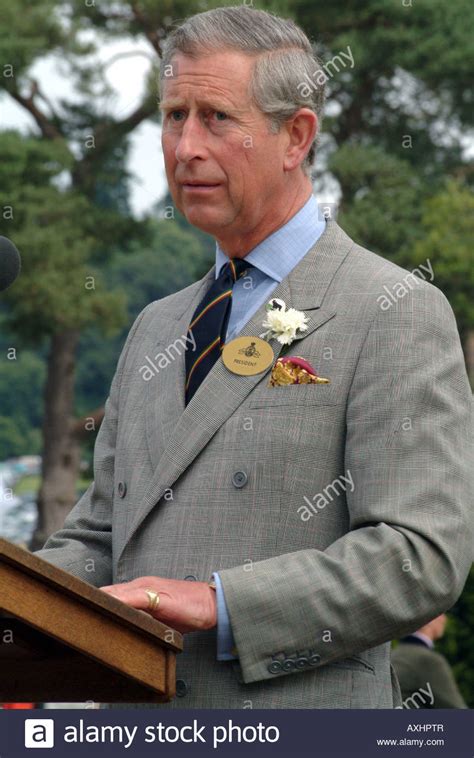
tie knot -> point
(235, 267)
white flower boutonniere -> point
(282, 322)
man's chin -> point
(206, 219)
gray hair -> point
(284, 63)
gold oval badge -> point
(247, 355)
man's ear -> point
(301, 129)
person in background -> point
(420, 669)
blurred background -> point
(83, 195)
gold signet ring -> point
(153, 600)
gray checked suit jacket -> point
(350, 522)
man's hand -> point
(184, 606)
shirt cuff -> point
(226, 650)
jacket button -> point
(314, 660)
(301, 663)
(191, 578)
(239, 479)
(181, 688)
(122, 489)
(274, 667)
(288, 664)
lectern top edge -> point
(71, 585)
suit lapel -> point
(166, 404)
(186, 430)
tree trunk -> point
(61, 450)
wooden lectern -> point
(63, 640)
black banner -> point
(324, 733)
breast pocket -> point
(295, 394)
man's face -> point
(224, 168)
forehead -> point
(222, 76)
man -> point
(425, 677)
(332, 515)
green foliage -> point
(457, 645)
(30, 161)
(16, 436)
(21, 387)
(60, 287)
(447, 234)
(172, 260)
(27, 30)
(381, 206)
(412, 67)
(22, 376)
(53, 293)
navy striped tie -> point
(209, 325)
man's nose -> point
(191, 142)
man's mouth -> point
(197, 186)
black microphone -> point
(10, 263)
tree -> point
(447, 231)
(58, 294)
(380, 206)
(62, 233)
(407, 87)
(22, 376)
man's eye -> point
(219, 114)
(174, 113)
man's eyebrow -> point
(166, 105)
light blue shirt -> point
(423, 637)
(273, 259)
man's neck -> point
(238, 246)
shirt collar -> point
(424, 637)
(276, 255)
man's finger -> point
(135, 597)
